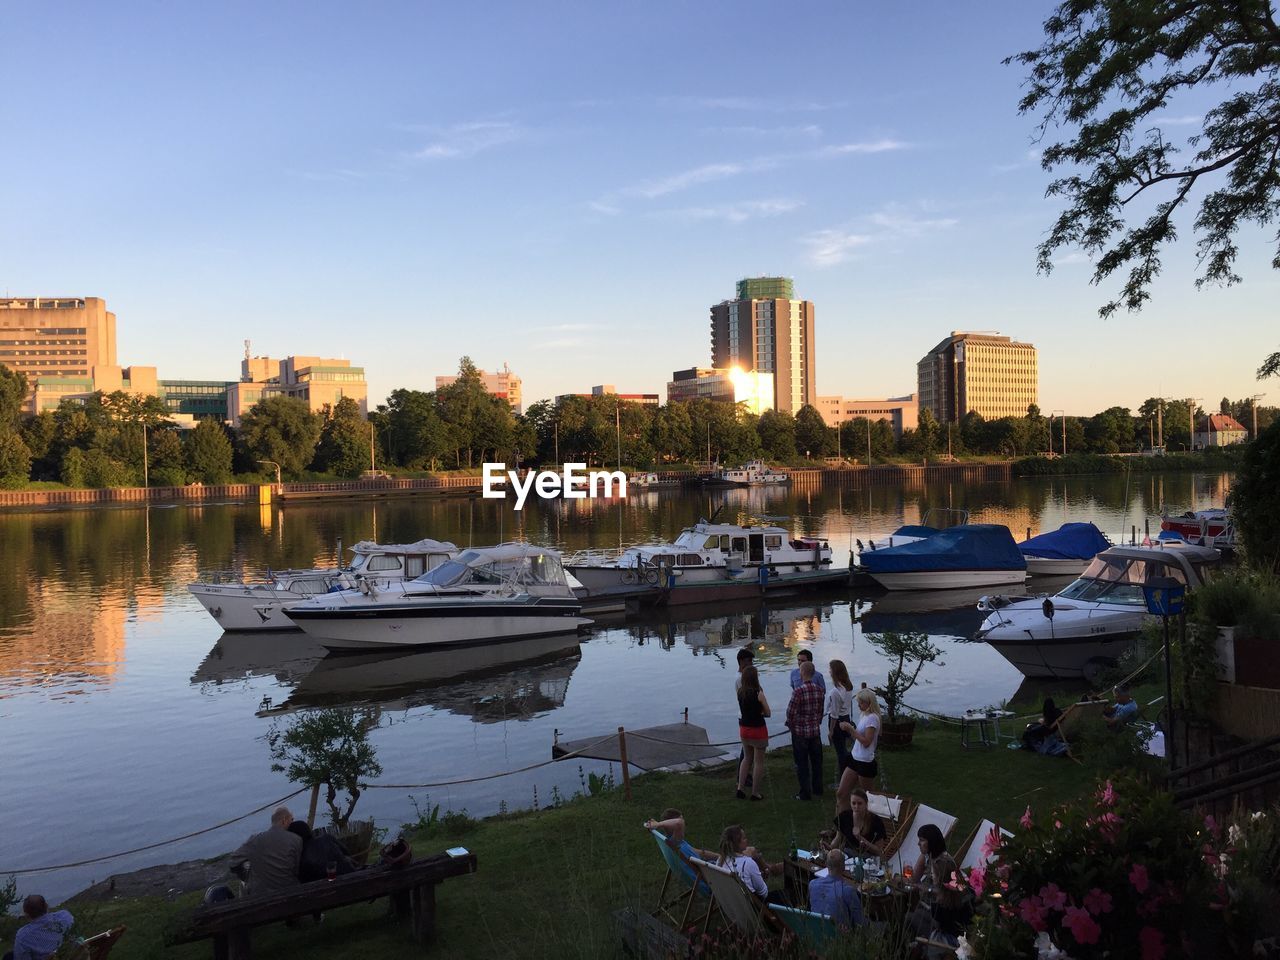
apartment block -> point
(767, 330)
(902, 413)
(729, 385)
(502, 383)
(984, 373)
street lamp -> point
(1064, 430)
(1191, 422)
(1253, 405)
(272, 463)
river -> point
(128, 718)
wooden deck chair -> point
(682, 878)
(738, 905)
(888, 806)
(969, 854)
(904, 849)
(816, 931)
(1077, 718)
(98, 946)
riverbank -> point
(549, 881)
(1213, 459)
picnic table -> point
(987, 725)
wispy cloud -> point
(868, 146)
(467, 139)
(684, 180)
(735, 212)
(567, 327)
(1070, 258)
(830, 247)
(808, 130)
(1186, 121)
(827, 248)
(1030, 159)
(756, 104)
(604, 206)
(330, 176)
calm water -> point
(127, 718)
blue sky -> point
(567, 187)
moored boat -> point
(1090, 623)
(481, 595)
(238, 605)
(975, 555)
(935, 520)
(1205, 528)
(756, 473)
(650, 481)
(1064, 551)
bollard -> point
(622, 756)
(1133, 533)
(315, 799)
(686, 715)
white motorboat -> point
(704, 553)
(650, 481)
(1089, 624)
(479, 596)
(974, 555)
(756, 473)
(1214, 527)
(1064, 552)
(239, 605)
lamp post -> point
(1253, 405)
(1191, 421)
(1064, 430)
(373, 465)
(272, 463)
(1164, 599)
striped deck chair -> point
(904, 851)
(737, 905)
(969, 854)
(686, 887)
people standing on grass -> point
(753, 709)
(803, 657)
(839, 708)
(863, 768)
(804, 720)
(746, 658)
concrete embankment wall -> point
(449, 485)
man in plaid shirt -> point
(804, 720)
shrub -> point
(328, 747)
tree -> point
(1255, 499)
(1111, 70)
(71, 470)
(911, 651)
(283, 430)
(1110, 431)
(38, 434)
(15, 459)
(13, 394)
(417, 437)
(168, 464)
(924, 442)
(344, 441)
(813, 436)
(209, 452)
(777, 431)
(330, 748)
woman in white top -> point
(862, 762)
(839, 710)
(736, 857)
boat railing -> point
(593, 557)
(223, 577)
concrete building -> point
(503, 383)
(734, 385)
(1221, 431)
(57, 337)
(765, 329)
(199, 399)
(985, 373)
(902, 413)
(319, 382)
(609, 390)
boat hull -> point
(1072, 658)
(392, 626)
(1044, 567)
(947, 579)
(1071, 646)
(239, 609)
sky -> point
(567, 188)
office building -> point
(731, 386)
(981, 373)
(319, 382)
(503, 383)
(199, 399)
(57, 337)
(765, 329)
(609, 390)
(901, 412)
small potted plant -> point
(908, 652)
(331, 748)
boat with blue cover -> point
(1065, 551)
(975, 555)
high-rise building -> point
(982, 373)
(767, 330)
(503, 383)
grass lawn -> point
(548, 881)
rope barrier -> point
(159, 843)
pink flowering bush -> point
(1124, 874)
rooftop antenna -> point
(247, 355)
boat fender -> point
(1047, 607)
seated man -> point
(834, 895)
(43, 933)
(273, 855)
(1122, 711)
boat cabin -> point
(398, 561)
(722, 544)
(1118, 575)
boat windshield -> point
(1119, 580)
(476, 568)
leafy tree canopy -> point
(13, 393)
(283, 430)
(1113, 72)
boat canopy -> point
(511, 563)
(978, 546)
(914, 530)
(1071, 541)
(422, 546)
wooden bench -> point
(412, 890)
